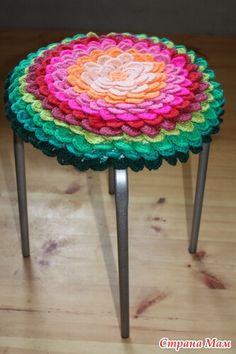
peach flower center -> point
(117, 75)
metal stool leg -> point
(21, 191)
(111, 180)
(199, 194)
(121, 197)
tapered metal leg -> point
(121, 196)
(111, 180)
(22, 196)
(197, 211)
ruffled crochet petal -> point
(118, 100)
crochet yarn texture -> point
(118, 100)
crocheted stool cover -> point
(118, 100)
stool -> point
(114, 102)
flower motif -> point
(120, 75)
(117, 100)
(97, 86)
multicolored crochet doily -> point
(118, 100)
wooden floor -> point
(64, 299)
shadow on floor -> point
(188, 194)
(8, 170)
(96, 197)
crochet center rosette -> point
(116, 100)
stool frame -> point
(118, 185)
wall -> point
(151, 16)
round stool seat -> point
(116, 100)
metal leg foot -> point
(111, 180)
(199, 194)
(21, 191)
(121, 197)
